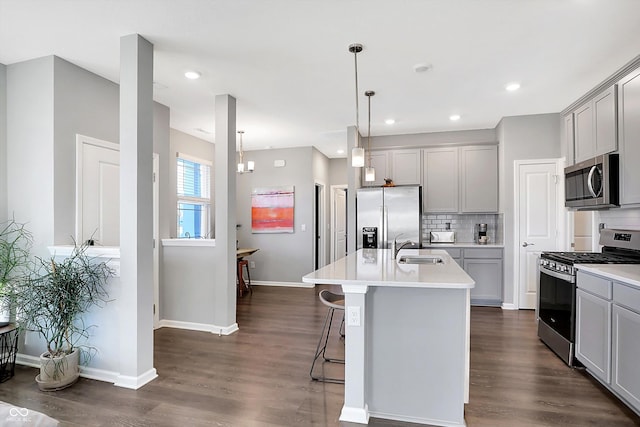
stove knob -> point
(552, 264)
(563, 268)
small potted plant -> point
(15, 242)
(52, 302)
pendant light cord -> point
(355, 59)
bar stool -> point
(334, 302)
(241, 282)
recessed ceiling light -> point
(268, 147)
(421, 68)
(454, 117)
(390, 121)
(340, 151)
(192, 75)
(512, 86)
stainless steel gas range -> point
(557, 287)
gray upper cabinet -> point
(380, 162)
(583, 120)
(402, 166)
(405, 167)
(567, 137)
(629, 137)
(440, 180)
(604, 120)
(479, 179)
(595, 126)
(460, 179)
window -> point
(194, 197)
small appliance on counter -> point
(481, 234)
(442, 237)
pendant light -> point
(369, 171)
(357, 153)
(250, 164)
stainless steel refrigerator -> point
(384, 213)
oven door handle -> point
(566, 277)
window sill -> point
(189, 242)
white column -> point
(225, 210)
(136, 212)
(355, 407)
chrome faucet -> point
(396, 249)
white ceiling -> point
(287, 63)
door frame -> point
(334, 218)
(319, 228)
(561, 218)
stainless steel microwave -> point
(592, 184)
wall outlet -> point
(353, 316)
(252, 264)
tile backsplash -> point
(464, 226)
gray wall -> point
(282, 257)
(30, 141)
(3, 143)
(467, 137)
(521, 138)
(338, 172)
(181, 142)
(86, 104)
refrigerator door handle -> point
(385, 226)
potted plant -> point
(52, 302)
(15, 242)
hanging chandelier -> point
(369, 171)
(357, 153)
(250, 164)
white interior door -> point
(537, 210)
(339, 223)
(98, 185)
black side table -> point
(8, 351)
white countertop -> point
(375, 267)
(626, 273)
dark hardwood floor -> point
(259, 377)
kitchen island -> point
(407, 329)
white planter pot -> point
(58, 372)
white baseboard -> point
(214, 329)
(134, 383)
(509, 306)
(415, 420)
(283, 284)
(85, 371)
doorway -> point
(539, 209)
(338, 222)
(319, 227)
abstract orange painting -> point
(272, 210)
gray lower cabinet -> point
(484, 265)
(608, 334)
(593, 333)
(626, 344)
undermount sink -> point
(420, 259)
